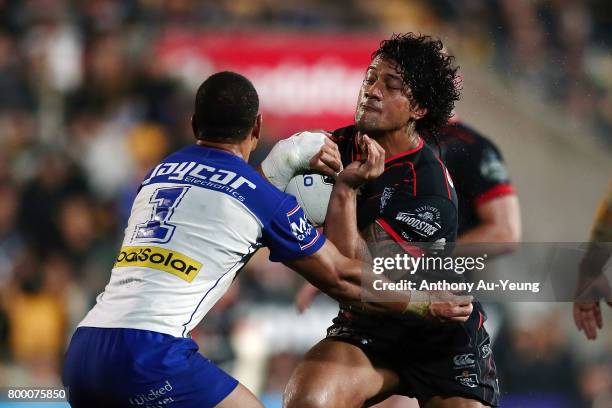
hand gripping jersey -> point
(198, 217)
(413, 200)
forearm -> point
(503, 239)
(346, 280)
(341, 223)
(356, 288)
(499, 224)
(490, 232)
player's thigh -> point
(398, 401)
(337, 374)
(451, 402)
(241, 397)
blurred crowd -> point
(85, 111)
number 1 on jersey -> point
(158, 229)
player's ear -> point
(419, 112)
(256, 127)
(193, 126)
(255, 133)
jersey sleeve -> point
(424, 219)
(289, 235)
(485, 175)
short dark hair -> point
(428, 72)
(226, 107)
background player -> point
(367, 357)
(488, 206)
(198, 216)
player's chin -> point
(367, 122)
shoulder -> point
(466, 136)
(433, 178)
(264, 196)
(223, 173)
(262, 199)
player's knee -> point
(304, 401)
(314, 400)
(320, 397)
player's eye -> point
(395, 85)
(369, 81)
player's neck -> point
(399, 141)
(235, 149)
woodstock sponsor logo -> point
(423, 226)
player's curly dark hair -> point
(429, 73)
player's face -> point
(384, 101)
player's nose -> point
(373, 92)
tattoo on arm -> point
(377, 243)
(380, 244)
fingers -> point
(305, 297)
(362, 146)
(375, 162)
(457, 310)
(460, 300)
(373, 153)
(598, 320)
(301, 305)
(459, 313)
(332, 161)
(327, 160)
(461, 319)
(588, 322)
(577, 320)
(452, 298)
(463, 301)
(587, 317)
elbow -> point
(513, 227)
(513, 232)
(510, 236)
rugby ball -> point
(312, 191)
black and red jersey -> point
(477, 168)
(413, 200)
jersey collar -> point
(407, 152)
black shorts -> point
(431, 358)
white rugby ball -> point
(312, 191)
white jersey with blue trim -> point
(197, 218)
